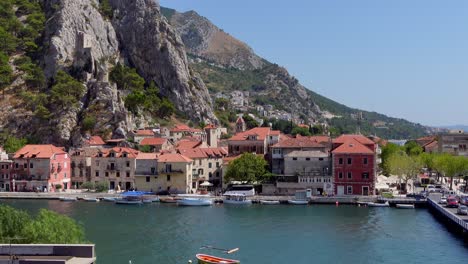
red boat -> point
(207, 259)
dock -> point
(457, 222)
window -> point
(125, 155)
(25, 165)
(365, 160)
(32, 166)
(148, 179)
(276, 151)
(107, 174)
(340, 175)
(320, 159)
(168, 178)
(199, 162)
(217, 164)
(350, 161)
(294, 158)
(350, 175)
(210, 175)
(97, 163)
(112, 154)
(307, 158)
(365, 175)
(194, 185)
(217, 174)
(118, 174)
(128, 164)
(340, 161)
(97, 173)
(65, 175)
(153, 170)
(209, 165)
(349, 189)
(128, 174)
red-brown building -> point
(354, 165)
(40, 167)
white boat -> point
(269, 202)
(405, 206)
(67, 199)
(371, 204)
(236, 198)
(109, 199)
(147, 201)
(192, 195)
(194, 202)
(129, 200)
(298, 202)
(86, 199)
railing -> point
(448, 214)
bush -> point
(58, 186)
(89, 122)
(66, 91)
(87, 185)
(101, 187)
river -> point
(166, 233)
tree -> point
(166, 109)
(388, 151)
(412, 148)
(301, 131)
(66, 91)
(6, 73)
(405, 167)
(247, 168)
(12, 144)
(250, 122)
(452, 166)
(47, 228)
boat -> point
(269, 202)
(67, 199)
(147, 201)
(207, 259)
(87, 199)
(168, 200)
(194, 202)
(109, 199)
(405, 206)
(236, 198)
(298, 202)
(372, 204)
(128, 201)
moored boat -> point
(168, 200)
(88, 199)
(405, 206)
(372, 204)
(207, 259)
(194, 202)
(269, 202)
(236, 198)
(298, 202)
(128, 201)
(109, 199)
(147, 201)
(67, 199)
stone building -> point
(256, 140)
(454, 143)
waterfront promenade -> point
(448, 214)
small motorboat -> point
(372, 204)
(207, 259)
(194, 202)
(88, 199)
(168, 200)
(67, 199)
(236, 198)
(129, 200)
(269, 202)
(298, 202)
(109, 199)
(405, 206)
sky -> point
(406, 59)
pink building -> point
(40, 167)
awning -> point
(206, 184)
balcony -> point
(169, 171)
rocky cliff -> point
(82, 40)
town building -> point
(94, 142)
(81, 161)
(180, 131)
(156, 144)
(256, 140)
(241, 126)
(146, 173)
(5, 167)
(354, 165)
(115, 167)
(174, 174)
(40, 167)
(454, 143)
(139, 135)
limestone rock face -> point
(150, 44)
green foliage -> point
(249, 121)
(6, 73)
(34, 77)
(126, 78)
(388, 151)
(248, 168)
(89, 122)
(58, 186)
(317, 130)
(284, 126)
(46, 228)
(11, 143)
(412, 148)
(403, 166)
(166, 109)
(66, 91)
(301, 131)
(8, 41)
(106, 9)
(101, 187)
(88, 185)
(451, 166)
(146, 148)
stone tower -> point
(240, 125)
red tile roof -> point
(95, 141)
(143, 132)
(147, 156)
(261, 132)
(431, 144)
(181, 128)
(352, 146)
(188, 144)
(153, 141)
(38, 151)
(200, 153)
(210, 126)
(171, 157)
(303, 142)
(360, 138)
(119, 151)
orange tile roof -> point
(95, 140)
(147, 156)
(210, 126)
(173, 157)
(186, 144)
(144, 132)
(119, 151)
(153, 141)
(431, 144)
(38, 151)
(303, 142)
(352, 146)
(200, 153)
(360, 138)
(181, 128)
(261, 132)
(303, 125)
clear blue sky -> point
(403, 58)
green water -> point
(166, 233)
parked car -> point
(431, 188)
(464, 200)
(443, 200)
(452, 202)
(462, 210)
(439, 188)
